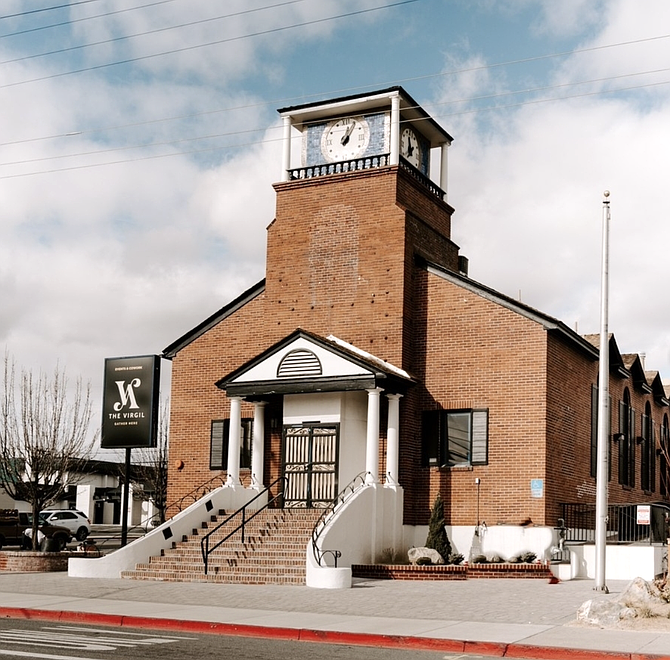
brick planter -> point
(449, 572)
(32, 562)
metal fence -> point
(623, 526)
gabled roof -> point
(200, 329)
(617, 365)
(656, 384)
(634, 365)
(548, 322)
(305, 362)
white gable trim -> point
(332, 364)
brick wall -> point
(32, 562)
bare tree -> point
(44, 438)
(150, 466)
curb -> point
(492, 649)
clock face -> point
(409, 147)
(345, 139)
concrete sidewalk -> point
(506, 617)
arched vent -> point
(298, 363)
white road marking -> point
(45, 656)
(108, 631)
(71, 637)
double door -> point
(310, 457)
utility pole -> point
(603, 408)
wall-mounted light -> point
(617, 437)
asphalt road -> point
(52, 641)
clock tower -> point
(356, 207)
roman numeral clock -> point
(358, 132)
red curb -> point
(493, 649)
(554, 653)
(497, 649)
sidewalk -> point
(506, 617)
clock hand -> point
(347, 134)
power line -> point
(216, 42)
(280, 102)
(43, 9)
(72, 21)
(269, 140)
(104, 42)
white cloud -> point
(528, 195)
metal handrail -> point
(197, 493)
(324, 519)
(205, 548)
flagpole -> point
(603, 409)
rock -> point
(424, 556)
(646, 599)
(604, 613)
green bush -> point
(480, 559)
(437, 534)
(456, 558)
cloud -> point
(527, 185)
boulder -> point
(424, 556)
(646, 599)
(604, 613)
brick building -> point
(368, 349)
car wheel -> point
(82, 533)
(61, 542)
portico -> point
(332, 427)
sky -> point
(139, 141)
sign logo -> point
(127, 394)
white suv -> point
(74, 520)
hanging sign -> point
(130, 402)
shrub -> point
(524, 558)
(437, 534)
(456, 558)
(480, 559)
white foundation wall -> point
(622, 562)
(505, 541)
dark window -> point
(455, 438)
(218, 448)
(663, 458)
(647, 462)
(626, 441)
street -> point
(53, 641)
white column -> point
(286, 149)
(394, 143)
(392, 446)
(372, 441)
(258, 446)
(234, 440)
(444, 167)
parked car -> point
(74, 520)
(13, 526)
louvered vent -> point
(299, 362)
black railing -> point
(344, 496)
(184, 501)
(205, 547)
(325, 169)
(622, 523)
(422, 178)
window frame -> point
(219, 433)
(438, 445)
